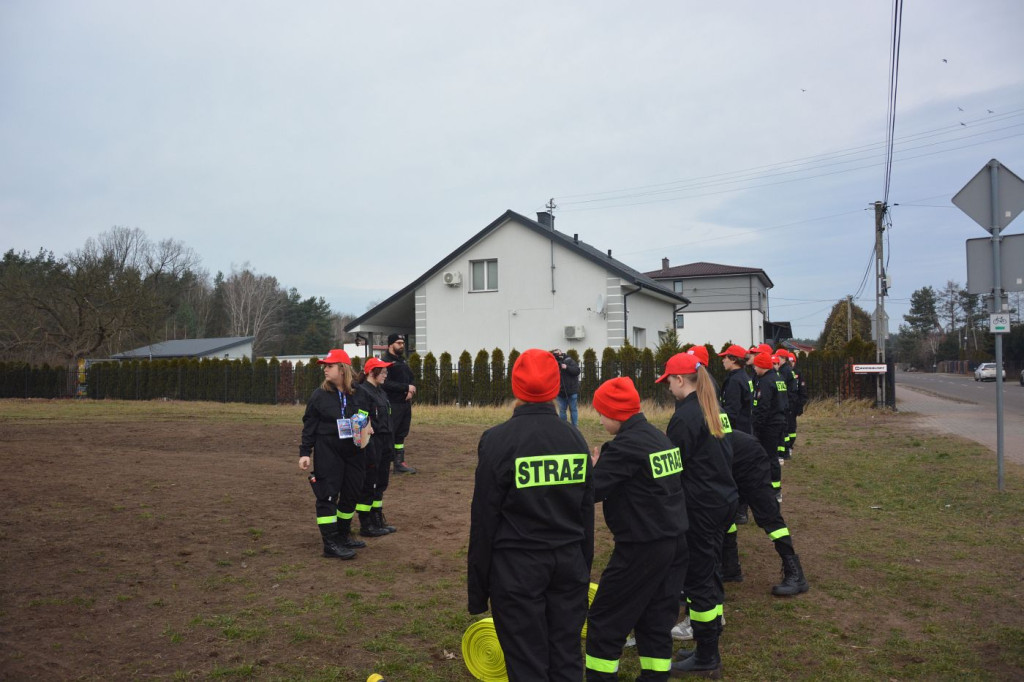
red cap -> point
(734, 350)
(374, 363)
(680, 363)
(763, 360)
(764, 348)
(535, 376)
(617, 399)
(701, 353)
(336, 356)
(783, 353)
(776, 359)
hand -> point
(303, 463)
(412, 391)
(595, 454)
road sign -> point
(868, 369)
(999, 323)
(975, 199)
(980, 275)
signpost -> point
(993, 198)
(869, 369)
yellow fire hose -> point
(482, 653)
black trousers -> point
(539, 602)
(338, 484)
(401, 420)
(754, 481)
(639, 591)
(703, 584)
(771, 439)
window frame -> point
(487, 272)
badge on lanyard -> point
(345, 426)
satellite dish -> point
(599, 306)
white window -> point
(639, 337)
(679, 321)
(677, 286)
(484, 275)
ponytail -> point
(709, 403)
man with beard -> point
(400, 391)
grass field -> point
(139, 567)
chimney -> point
(664, 263)
(576, 238)
(609, 253)
(546, 219)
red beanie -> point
(763, 360)
(617, 399)
(701, 353)
(535, 376)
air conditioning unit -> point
(575, 331)
(452, 279)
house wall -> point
(523, 313)
(745, 327)
(709, 294)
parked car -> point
(986, 371)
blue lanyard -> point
(344, 403)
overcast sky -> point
(345, 148)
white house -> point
(518, 283)
(728, 303)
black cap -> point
(395, 337)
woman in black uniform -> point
(331, 436)
(531, 535)
(698, 430)
(769, 415)
(372, 401)
(637, 477)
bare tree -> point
(253, 304)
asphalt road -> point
(966, 389)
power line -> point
(894, 78)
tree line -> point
(122, 290)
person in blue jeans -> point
(568, 392)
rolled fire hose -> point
(482, 653)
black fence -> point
(484, 382)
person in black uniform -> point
(637, 477)
(752, 473)
(697, 429)
(785, 371)
(796, 390)
(769, 414)
(738, 389)
(400, 391)
(329, 434)
(531, 537)
(568, 392)
(372, 402)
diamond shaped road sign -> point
(975, 199)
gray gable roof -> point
(185, 348)
(704, 269)
(592, 254)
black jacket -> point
(770, 401)
(737, 399)
(707, 461)
(533, 491)
(797, 390)
(320, 424)
(400, 378)
(637, 477)
(372, 400)
(570, 376)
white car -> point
(986, 371)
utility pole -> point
(881, 290)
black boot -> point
(741, 514)
(732, 572)
(382, 523)
(334, 546)
(403, 468)
(368, 527)
(705, 661)
(793, 580)
(345, 529)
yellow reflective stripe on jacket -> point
(602, 665)
(780, 386)
(666, 462)
(726, 424)
(550, 470)
(776, 484)
(658, 665)
(732, 529)
(780, 533)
